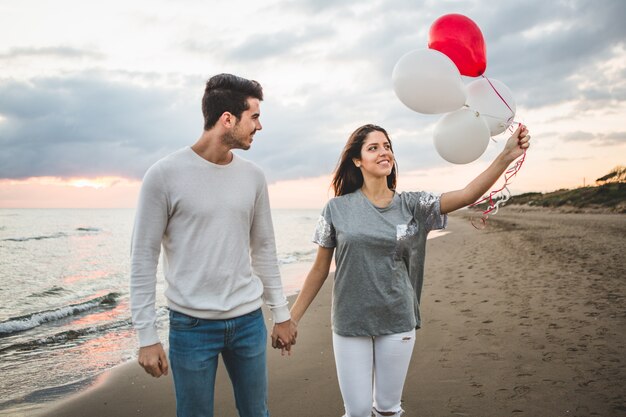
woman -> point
(380, 237)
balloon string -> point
(492, 207)
(501, 98)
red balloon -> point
(461, 40)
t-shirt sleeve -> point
(324, 234)
(428, 211)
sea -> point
(64, 295)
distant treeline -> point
(609, 193)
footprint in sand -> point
(490, 355)
(520, 391)
(485, 332)
(554, 382)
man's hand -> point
(153, 360)
(284, 336)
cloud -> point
(546, 60)
(88, 125)
(279, 43)
(614, 138)
(327, 68)
(581, 158)
(599, 139)
(578, 136)
(543, 58)
(306, 140)
(317, 6)
(63, 52)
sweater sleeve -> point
(263, 256)
(150, 224)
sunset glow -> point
(87, 183)
(53, 192)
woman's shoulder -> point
(343, 200)
(340, 204)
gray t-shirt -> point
(379, 256)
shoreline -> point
(523, 318)
(37, 401)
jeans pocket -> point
(182, 321)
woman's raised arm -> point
(514, 148)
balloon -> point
(427, 81)
(497, 112)
(461, 137)
(459, 38)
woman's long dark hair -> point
(348, 178)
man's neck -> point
(210, 147)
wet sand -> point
(524, 318)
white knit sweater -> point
(219, 253)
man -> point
(209, 209)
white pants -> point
(372, 370)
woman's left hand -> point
(517, 144)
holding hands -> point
(284, 336)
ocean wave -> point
(25, 239)
(29, 321)
(70, 335)
(57, 235)
(296, 256)
(65, 336)
(287, 260)
(50, 291)
(87, 229)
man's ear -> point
(228, 120)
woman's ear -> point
(357, 162)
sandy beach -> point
(524, 318)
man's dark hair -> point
(227, 93)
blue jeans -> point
(195, 345)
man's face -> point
(242, 133)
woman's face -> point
(376, 156)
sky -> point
(93, 93)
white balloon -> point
(427, 81)
(461, 136)
(482, 98)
